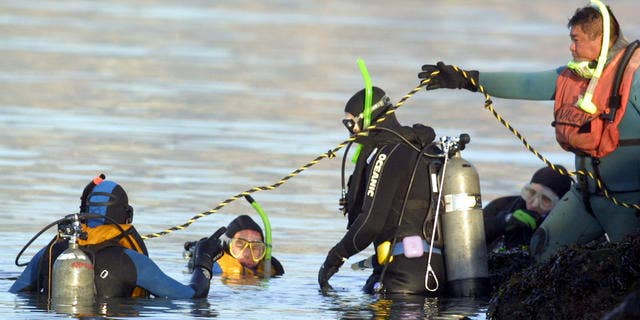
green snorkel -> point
(368, 96)
(585, 102)
(267, 234)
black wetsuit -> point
(117, 272)
(377, 199)
(495, 215)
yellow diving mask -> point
(237, 246)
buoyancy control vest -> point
(230, 266)
(594, 134)
(98, 238)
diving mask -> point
(584, 69)
(541, 197)
(237, 246)
(351, 123)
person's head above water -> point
(544, 190)
(354, 109)
(246, 241)
(105, 198)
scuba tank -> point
(72, 274)
(465, 251)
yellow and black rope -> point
(332, 154)
(488, 104)
(329, 154)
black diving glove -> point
(522, 218)
(449, 77)
(331, 265)
(208, 250)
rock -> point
(579, 282)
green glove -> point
(522, 218)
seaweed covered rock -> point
(503, 264)
(579, 282)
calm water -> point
(188, 104)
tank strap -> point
(616, 99)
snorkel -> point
(585, 103)
(368, 96)
(267, 234)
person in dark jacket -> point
(120, 261)
(388, 203)
(511, 221)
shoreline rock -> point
(579, 282)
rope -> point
(329, 154)
(332, 154)
(488, 104)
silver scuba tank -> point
(465, 249)
(72, 281)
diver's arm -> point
(381, 189)
(29, 277)
(521, 85)
(151, 278)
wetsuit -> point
(379, 209)
(571, 221)
(495, 215)
(117, 273)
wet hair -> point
(590, 20)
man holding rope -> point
(599, 124)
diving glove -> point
(522, 218)
(331, 265)
(208, 250)
(448, 77)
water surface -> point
(187, 104)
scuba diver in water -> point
(116, 253)
(389, 203)
(244, 252)
(597, 117)
(509, 222)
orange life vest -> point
(232, 267)
(589, 134)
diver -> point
(245, 252)
(596, 117)
(389, 203)
(510, 221)
(119, 259)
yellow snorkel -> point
(585, 103)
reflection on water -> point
(188, 103)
